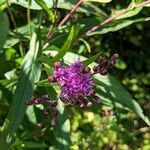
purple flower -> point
(75, 83)
(72, 81)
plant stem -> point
(29, 17)
(11, 16)
(112, 18)
(16, 28)
(65, 19)
(71, 12)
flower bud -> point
(86, 70)
(51, 79)
(57, 64)
(96, 69)
(103, 71)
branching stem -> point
(112, 18)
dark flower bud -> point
(45, 98)
(85, 103)
(51, 79)
(114, 57)
(53, 122)
(54, 103)
(29, 102)
(81, 96)
(112, 60)
(57, 64)
(37, 101)
(103, 71)
(46, 111)
(53, 118)
(92, 92)
(101, 61)
(96, 99)
(96, 69)
(86, 70)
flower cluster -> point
(104, 65)
(50, 109)
(76, 84)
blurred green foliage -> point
(31, 41)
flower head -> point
(75, 82)
(76, 85)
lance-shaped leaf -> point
(111, 91)
(45, 7)
(62, 128)
(30, 73)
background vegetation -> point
(33, 37)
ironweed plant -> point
(54, 59)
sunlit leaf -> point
(62, 128)
(66, 47)
(111, 91)
(115, 26)
(45, 7)
(30, 73)
(91, 59)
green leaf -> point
(132, 11)
(86, 44)
(45, 7)
(65, 48)
(10, 42)
(62, 128)
(2, 5)
(30, 144)
(43, 83)
(30, 73)
(91, 59)
(99, 1)
(115, 26)
(94, 9)
(121, 64)
(110, 90)
(4, 27)
(64, 4)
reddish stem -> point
(112, 18)
(71, 12)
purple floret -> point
(72, 81)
